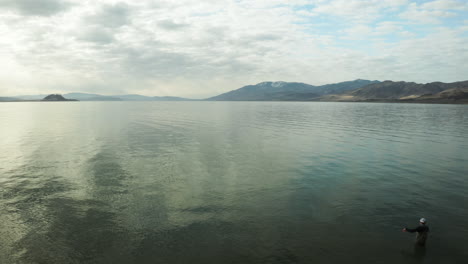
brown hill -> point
(454, 95)
(403, 90)
(389, 91)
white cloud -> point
(388, 27)
(111, 15)
(358, 31)
(36, 7)
(432, 12)
(357, 10)
(201, 48)
(445, 5)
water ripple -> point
(231, 182)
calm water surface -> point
(231, 182)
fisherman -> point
(422, 230)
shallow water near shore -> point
(232, 182)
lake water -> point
(232, 182)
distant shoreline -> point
(288, 101)
(370, 91)
(39, 101)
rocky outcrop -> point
(56, 97)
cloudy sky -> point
(200, 48)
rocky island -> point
(48, 98)
(56, 98)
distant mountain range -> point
(288, 91)
(351, 91)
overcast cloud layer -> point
(200, 48)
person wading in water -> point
(422, 230)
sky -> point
(201, 48)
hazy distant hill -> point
(287, 91)
(8, 99)
(91, 97)
(125, 97)
(133, 97)
(30, 97)
(98, 97)
(171, 98)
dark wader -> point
(421, 237)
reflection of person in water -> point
(422, 230)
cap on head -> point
(422, 220)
